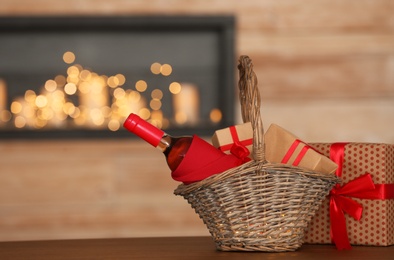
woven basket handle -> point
(249, 96)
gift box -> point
(284, 147)
(237, 140)
(360, 210)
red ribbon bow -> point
(238, 148)
(240, 151)
(341, 203)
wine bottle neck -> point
(164, 143)
(143, 129)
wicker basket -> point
(257, 206)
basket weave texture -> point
(257, 206)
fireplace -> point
(63, 77)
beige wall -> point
(326, 73)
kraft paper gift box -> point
(281, 146)
(360, 210)
(237, 140)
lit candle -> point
(187, 105)
(3, 99)
(134, 103)
(93, 99)
(55, 105)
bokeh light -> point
(68, 57)
(84, 98)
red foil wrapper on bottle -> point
(203, 160)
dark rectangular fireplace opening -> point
(81, 76)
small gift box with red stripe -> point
(237, 140)
(283, 147)
(360, 211)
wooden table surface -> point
(201, 248)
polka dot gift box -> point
(360, 210)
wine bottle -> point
(174, 148)
(190, 158)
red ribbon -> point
(361, 187)
(291, 151)
(238, 148)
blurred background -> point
(325, 71)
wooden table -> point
(185, 248)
